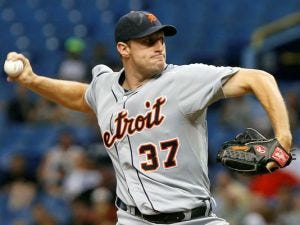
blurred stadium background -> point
(264, 34)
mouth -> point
(160, 56)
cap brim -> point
(168, 30)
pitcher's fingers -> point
(12, 56)
(272, 166)
(15, 56)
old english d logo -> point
(151, 18)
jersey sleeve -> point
(199, 85)
(90, 94)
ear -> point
(123, 49)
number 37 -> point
(152, 161)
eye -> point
(151, 40)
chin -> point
(161, 64)
(159, 68)
(156, 67)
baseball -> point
(13, 68)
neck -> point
(134, 81)
(132, 78)
(135, 77)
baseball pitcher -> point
(152, 117)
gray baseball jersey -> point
(156, 135)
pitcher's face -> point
(148, 54)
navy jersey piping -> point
(137, 172)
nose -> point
(160, 43)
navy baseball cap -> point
(138, 24)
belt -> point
(168, 218)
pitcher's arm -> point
(264, 87)
(69, 94)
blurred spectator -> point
(269, 185)
(25, 204)
(41, 216)
(235, 113)
(20, 107)
(259, 213)
(72, 118)
(101, 56)
(103, 205)
(94, 207)
(293, 168)
(45, 112)
(59, 160)
(292, 102)
(284, 199)
(17, 204)
(83, 176)
(232, 198)
(17, 169)
(288, 206)
(52, 207)
(242, 112)
(73, 67)
(98, 152)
